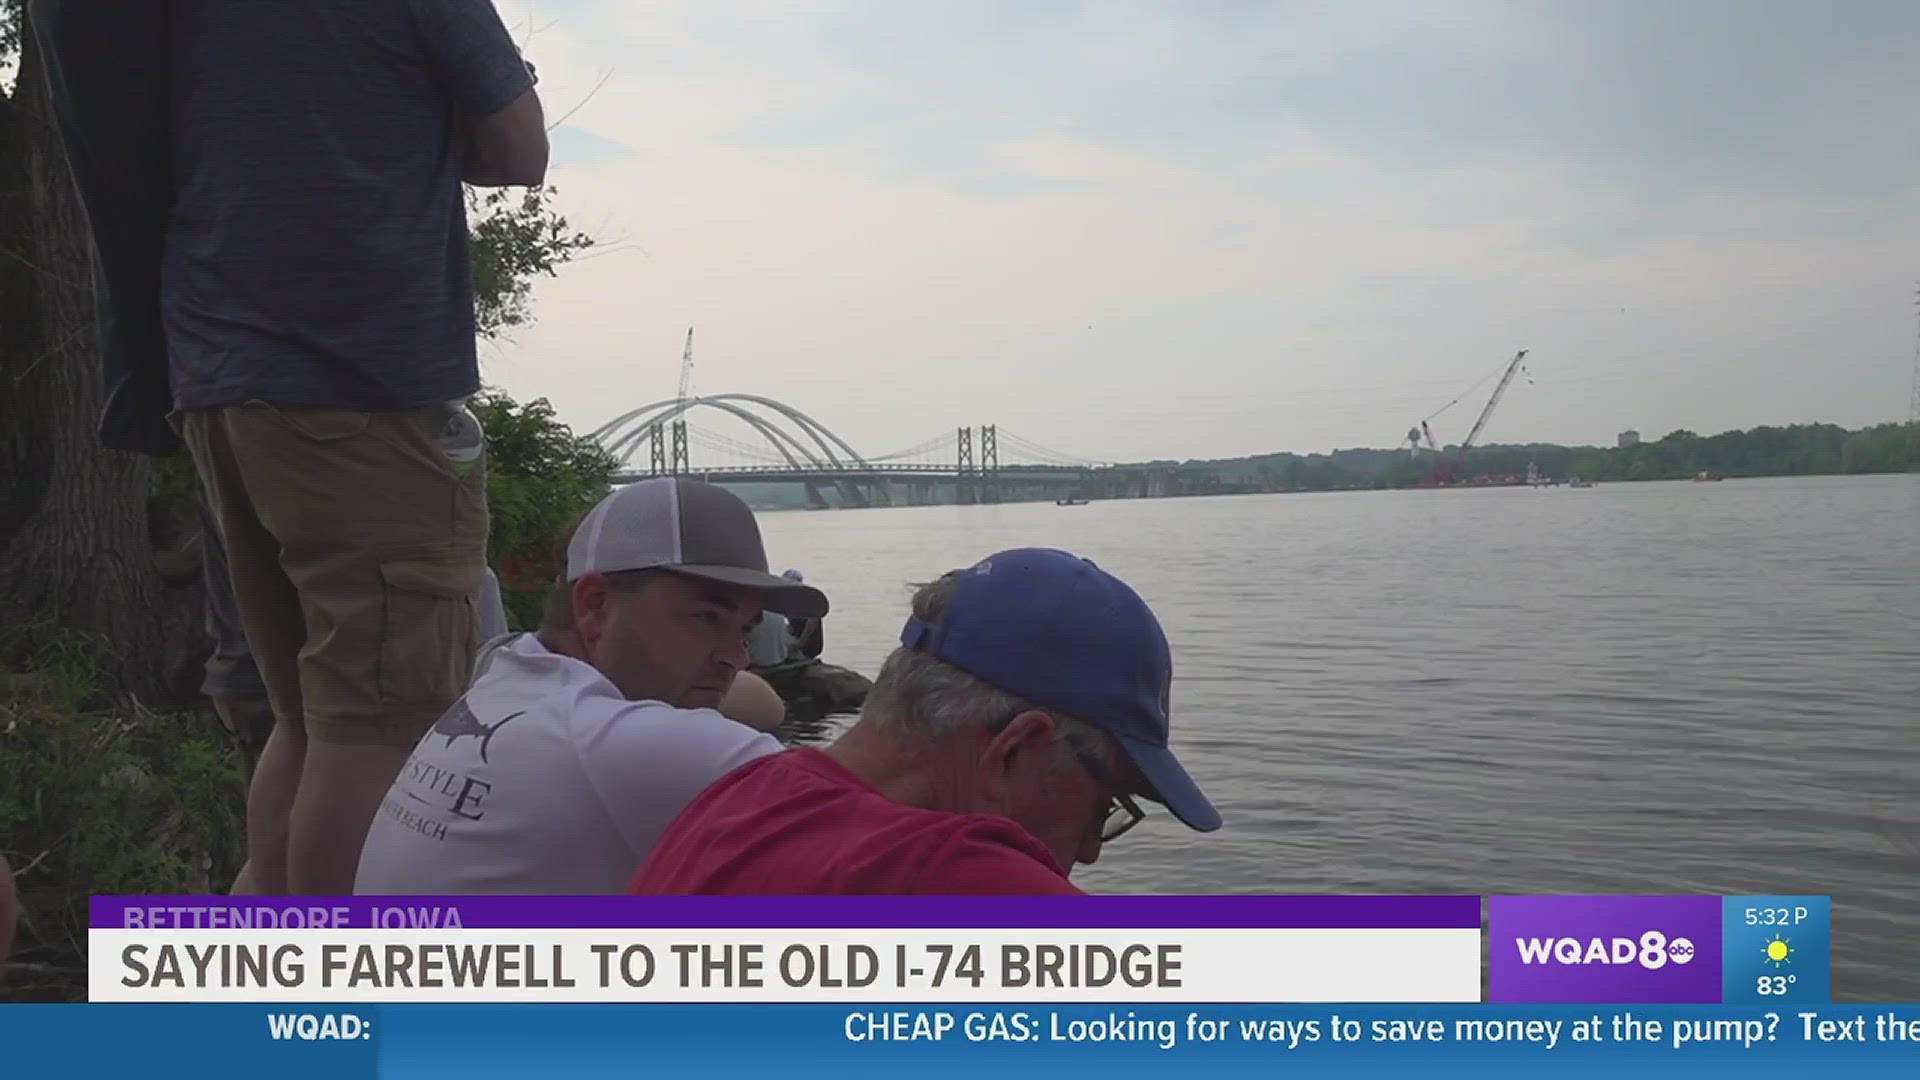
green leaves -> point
(540, 475)
(517, 236)
(98, 795)
(12, 18)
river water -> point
(1664, 687)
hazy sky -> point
(1204, 228)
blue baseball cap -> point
(1057, 630)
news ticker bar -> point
(1765, 950)
(478, 1042)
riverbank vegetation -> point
(1796, 450)
(101, 795)
(540, 475)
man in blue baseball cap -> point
(1006, 740)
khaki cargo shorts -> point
(356, 541)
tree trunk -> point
(76, 550)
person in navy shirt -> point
(316, 296)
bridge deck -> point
(869, 472)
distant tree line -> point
(1796, 450)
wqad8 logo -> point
(1652, 950)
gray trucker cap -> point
(688, 527)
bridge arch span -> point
(786, 429)
(782, 442)
(624, 433)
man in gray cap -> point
(577, 744)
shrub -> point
(100, 796)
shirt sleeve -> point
(649, 762)
(469, 49)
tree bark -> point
(76, 549)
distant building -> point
(1629, 438)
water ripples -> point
(1630, 688)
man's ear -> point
(589, 600)
(1028, 740)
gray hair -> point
(918, 693)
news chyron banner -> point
(482, 987)
(786, 950)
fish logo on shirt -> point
(459, 722)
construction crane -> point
(1913, 408)
(1500, 391)
(1445, 469)
(679, 462)
(686, 369)
(1421, 433)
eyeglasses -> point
(1121, 812)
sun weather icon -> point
(1779, 951)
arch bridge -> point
(965, 465)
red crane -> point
(1446, 469)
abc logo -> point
(1656, 951)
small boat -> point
(1069, 502)
(1707, 477)
(1576, 482)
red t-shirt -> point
(800, 823)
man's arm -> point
(510, 147)
(492, 89)
(751, 701)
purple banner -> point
(1603, 950)
(786, 912)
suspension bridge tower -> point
(977, 479)
(989, 463)
(963, 472)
